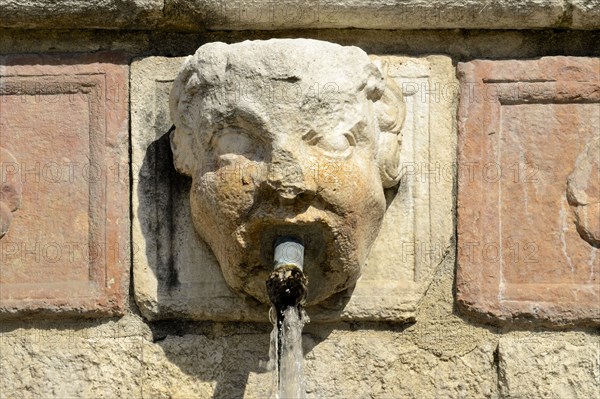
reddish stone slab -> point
(64, 198)
(529, 192)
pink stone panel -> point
(64, 140)
(529, 133)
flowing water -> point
(285, 353)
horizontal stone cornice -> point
(198, 15)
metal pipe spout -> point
(287, 284)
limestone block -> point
(395, 368)
(586, 14)
(195, 366)
(73, 360)
(364, 14)
(197, 15)
(104, 14)
(543, 367)
(175, 273)
(528, 191)
(64, 137)
(120, 359)
(346, 364)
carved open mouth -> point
(260, 237)
(322, 251)
(312, 235)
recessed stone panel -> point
(177, 276)
(64, 199)
(529, 190)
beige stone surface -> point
(103, 14)
(65, 121)
(366, 14)
(185, 281)
(440, 355)
(585, 14)
(72, 360)
(198, 15)
(280, 143)
(395, 369)
(527, 252)
(533, 366)
(344, 365)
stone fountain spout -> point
(287, 285)
(287, 288)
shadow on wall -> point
(192, 347)
(223, 360)
(160, 186)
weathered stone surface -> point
(198, 15)
(583, 193)
(73, 359)
(65, 122)
(176, 274)
(279, 143)
(10, 190)
(528, 189)
(439, 356)
(104, 363)
(345, 365)
(104, 14)
(486, 44)
(585, 14)
(533, 366)
(396, 369)
(366, 14)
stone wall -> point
(196, 15)
(459, 344)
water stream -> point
(285, 354)
(286, 288)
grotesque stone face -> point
(286, 138)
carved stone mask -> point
(287, 137)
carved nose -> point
(290, 183)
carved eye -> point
(338, 144)
(236, 142)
